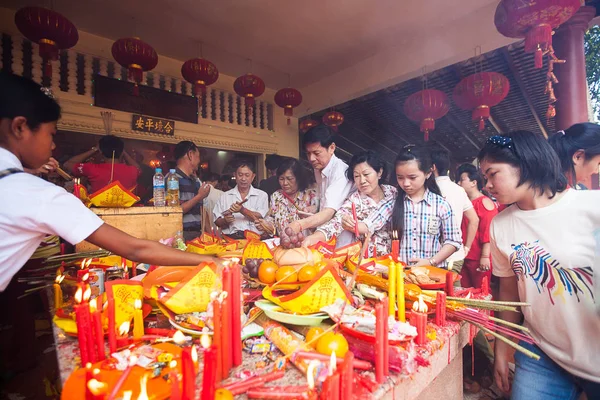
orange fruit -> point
(266, 271)
(307, 273)
(332, 342)
(286, 274)
(223, 394)
(312, 333)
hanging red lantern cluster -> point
(250, 87)
(479, 92)
(288, 99)
(135, 55)
(306, 124)
(425, 107)
(49, 29)
(333, 119)
(534, 21)
(200, 73)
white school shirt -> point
(333, 189)
(459, 202)
(31, 209)
(551, 251)
(258, 201)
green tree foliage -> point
(592, 62)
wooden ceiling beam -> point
(381, 122)
(450, 118)
(513, 69)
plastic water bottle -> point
(158, 184)
(173, 188)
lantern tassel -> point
(48, 69)
(136, 89)
(289, 121)
(426, 135)
(481, 124)
(539, 58)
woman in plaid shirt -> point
(419, 213)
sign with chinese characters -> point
(153, 125)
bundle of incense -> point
(63, 174)
(72, 258)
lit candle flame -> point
(143, 388)
(93, 305)
(78, 295)
(87, 264)
(87, 294)
(179, 337)
(395, 235)
(124, 328)
(468, 296)
(83, 264)
(420, 306)
(85, 277)
(96, 371)
(96, 387)
(127, 395)
(235, 260)
(194, 354)
(332, 363)
(173, 364)
(205, 341)
(59, 279)
(137, 304)
(310, 373)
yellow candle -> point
(58, 294)
(138, 320)
(400, 293)
(392, 272)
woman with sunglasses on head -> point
(578, 150)
(421, 216)
(543, 251)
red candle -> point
(88, 377)
(134, 269)
(440, 308)
(357, 364)
(226, 337)
(450, 283)
(236, 306)
(113, 394)
(240, 387)
(419, 320)
(209, 373)
(98, 330)
(189, 376)
(395, 246)
(175, 388)
(112, 328)
(379, 345)
(279, 392)
(386, 352)
(347, 376)
(217, 339)
(331, 387)
(355, 220)
(83, 327)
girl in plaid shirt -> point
(419, 213)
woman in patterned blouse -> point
(367, 170)
(294, 201)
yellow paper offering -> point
(192, 294)
(256, 249)
(322, 291)
(124, 293)
(194, 247)
(113, 195)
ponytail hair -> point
(584, 136)
(423, 159)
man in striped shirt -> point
(191, 190)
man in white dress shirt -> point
(332, 184)
(460, 203)
(238, 208)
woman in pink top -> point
(477, 263)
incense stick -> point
(63, 174)
(509, 342)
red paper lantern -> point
(288, 98)
(306, 124)
(250, 87)
(479, 92)
(51, 30)
(333, 119)
(534, 21)
(425, 107)
(200, 73)
(135, 55)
